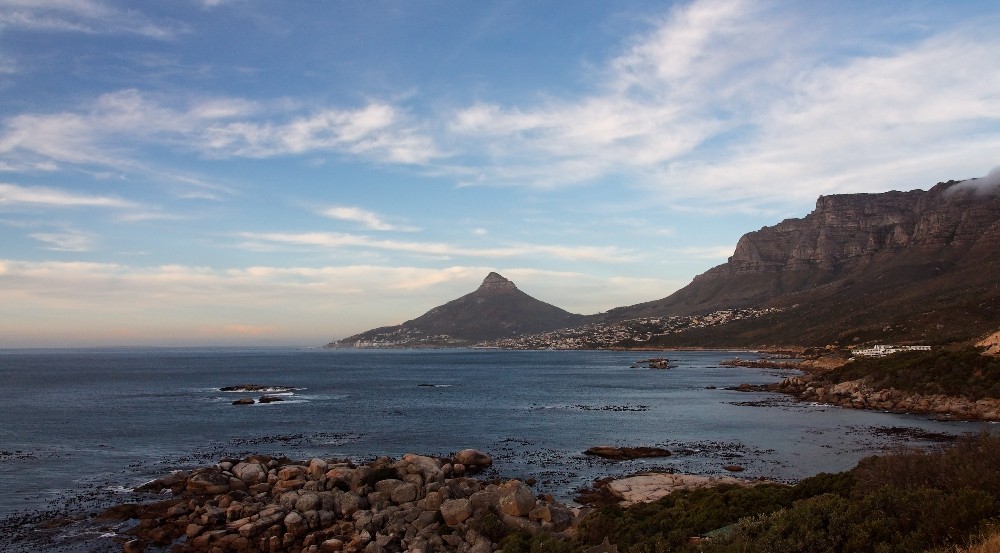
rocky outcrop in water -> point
(262, 504)
(626, 453)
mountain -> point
(896, 266)
(497, 309)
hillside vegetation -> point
(961, 372)
(906, 501)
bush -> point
(523, 542)
(956, 372)
(900, 502)
(490, 525)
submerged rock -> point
(270, 399)
(626, 453)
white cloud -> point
(986, 185)
(112, 131)
(49, 302)
(12, 194)
(331, 240)
(65, 242)
(79, 16)
(737, 103)
(366, 218)
(376, 131)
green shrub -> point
(957, 372)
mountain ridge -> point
(906, 266)
(497, 309)
(857, 263)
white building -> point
(882, 350)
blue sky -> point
(250, 172)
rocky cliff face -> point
(882, 260)
(848, 230)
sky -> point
(244, 172)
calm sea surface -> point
(79, 426)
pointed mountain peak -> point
(495, 283)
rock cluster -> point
(857, 394)
(653, 363)
(644, 488)
(626, 453)
(417, 503)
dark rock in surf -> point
(626, 453)
(270, 399)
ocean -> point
(81, 427)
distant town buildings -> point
(883, 350)
(629, 333)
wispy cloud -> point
(734, 103)
(377, 131)
(12, 194)
(80, 16)
(330, 240)
(368, 219)
(113, 130)
(171, 303)
(65, 242)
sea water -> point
(79, 426)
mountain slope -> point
(497, 309)
(918, 265)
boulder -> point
(456, 511)
(404, 493)
(348, 504)
(472, 458)
(431, 502)
(290, 472)
(317, 468)
(175, 482)
(250, 473)
(207, 481)
(244, 401)
(331, 546)
(427, 467)
(308, 501)
(516, 499)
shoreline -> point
(418, 502)
(810, 387)
(856, 394)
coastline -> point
(683, 449)
(856, 394)
(811, 387)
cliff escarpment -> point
(917, 265)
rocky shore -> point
(857, 394)
(643, 488)
(265, 504)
